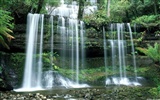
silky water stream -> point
(71, 45)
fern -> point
(152, 52)
(5, 28)
(147, 20)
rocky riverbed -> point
(96, 93)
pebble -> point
(78, 94)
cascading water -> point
(71, 34)
(34, 76)
(118, 53)
(33, 64)
(71, 45)
(49, 79)
(133, 51)
(82, 37)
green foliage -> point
(152, 74)
(66, 72)
(119, 10)
(142, 70)
(155, 91)
(50, 60)
(17, 60)
(5, 26)
(85, 74)
(97, 19)
(152, 52)
(148, 20)
(123, 11)
(51, 5)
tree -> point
(81, 8)
(51, 5)
(155, 6)
(108, 8)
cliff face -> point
(10, 68)
(18, 44)
(5, 73)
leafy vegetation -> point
(155, 91)
(97, 19)
(87, 75)
(148, 20)
(50, 61)
(128, 10)
(152, 52)
(144, 12)
(5, 26)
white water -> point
(71, 37)
(121, 51)
(34, 78)
(33, 65)
(49, 79)
(77, 51)
(69, 33)
(63, 39)
(133, 52)
(118, 51)
(82, 37)
(52, 40)
(30, 75)
(105, 48)
(71, 10)
(40, 64)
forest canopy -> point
(136, 11)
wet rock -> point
(120, 93)
(4, 86)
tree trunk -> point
(40, 5)
(155, 6)
(101, 4)
(81, 9)
(108, 8)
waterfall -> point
(49, 79)
(77, 52)
(82, 37)
(63, 39)
(33, 64)
(133, 51)
(118, 54)
(105, 49)
(35, 78)
(40, 64)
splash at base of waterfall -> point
(53, 80)
(28, 89)
(122, 81)
(58, 80)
